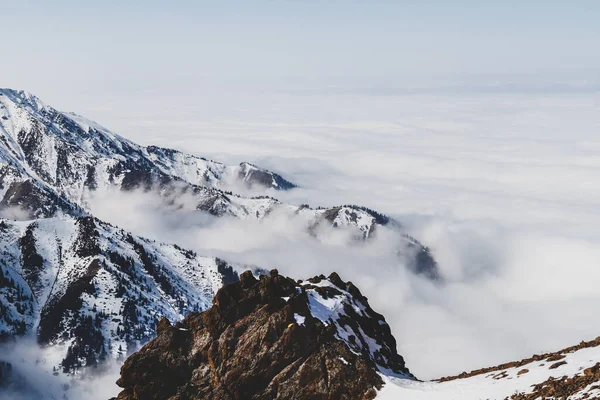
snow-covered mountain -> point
(52, 162)
(71, 155)
(94, 289)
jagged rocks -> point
(32, 262)
(269, 338)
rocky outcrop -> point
(269, 338)
(252, 175)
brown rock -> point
(556, 365)
(563, 388)
(249, 346)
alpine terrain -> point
(93, 291)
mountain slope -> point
(95, 289)
(72, 155)
(272, 338)
(70, 152)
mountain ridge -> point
(52, 162)
(60, 265)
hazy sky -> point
(68, 48)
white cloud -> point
(503, 187)
(32, 376)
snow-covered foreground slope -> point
(572, 373)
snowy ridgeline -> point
(52, 163)
(70, 152)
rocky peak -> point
(26, 99)
(252, 175)
(269, 338)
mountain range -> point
(96, 291)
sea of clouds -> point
(504, 186)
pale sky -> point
(65, 48)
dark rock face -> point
(36, 201)
(269, 338)
(12, 286)
(86, 243)
(421, 262)
(32, 262)
(227, 271)
(5, 371)
(53, 316)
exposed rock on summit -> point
(269, 338)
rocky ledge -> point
(269, 338)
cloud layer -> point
(503, 187)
